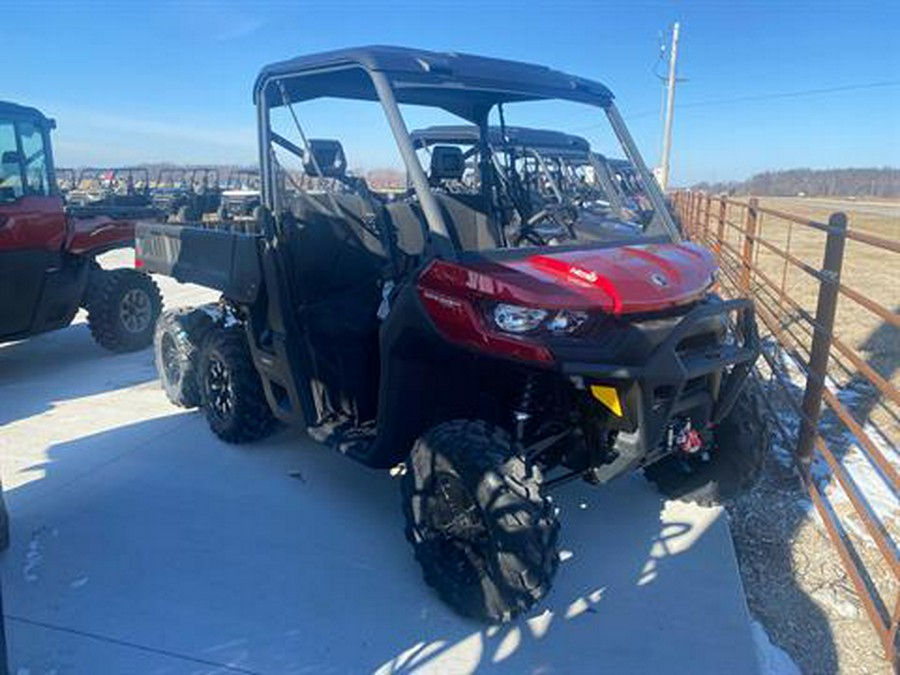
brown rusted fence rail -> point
(812, 371)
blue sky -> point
(141, 81)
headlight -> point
(566, 322)
(516, 319)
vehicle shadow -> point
(283, 557)
(62, 365)
(766, 524)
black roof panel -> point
(464, 84)
(9, 109)
(522, 137)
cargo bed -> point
(224, 260)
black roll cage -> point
(541, 145)
(465, 85)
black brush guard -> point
(670, 368)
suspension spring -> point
(525, 408)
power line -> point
(768, 97)
(760, 97)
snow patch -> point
(838, 601)
(873, 486)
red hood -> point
(626, 279)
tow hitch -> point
(685, 440)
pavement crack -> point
(131, 645)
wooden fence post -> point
(749, 241)
(823, 329)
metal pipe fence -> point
(740, 233)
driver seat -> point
(328, 155)
(447, 165)
(466, 214)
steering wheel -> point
(563, 216)
(528, 235)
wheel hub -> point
(135, 310)
(219, 387)
(458, 530)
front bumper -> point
(681, 375)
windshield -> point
(538, 174)
(24, 166)
(11, 184)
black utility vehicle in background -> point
(488, 346)
(541, 167)
(240, 195)
(187, 194)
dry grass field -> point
(788, 290)
(872, 271)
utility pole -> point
(670, 109)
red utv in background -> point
(48, 250)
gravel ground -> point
(795, 584)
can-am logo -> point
(659, 280)
(587, 275)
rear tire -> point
(480, 528)
(176, 351)
(123, 306)
(231, 391)
(735, 464)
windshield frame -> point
(42, 126)
(436, 232)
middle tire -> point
(481, 530)
(176, 350)
(231, 392)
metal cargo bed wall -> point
(840, 406)
(218, 259)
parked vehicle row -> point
(176, 194)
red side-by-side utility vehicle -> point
(48, 250)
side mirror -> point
(11, 157)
